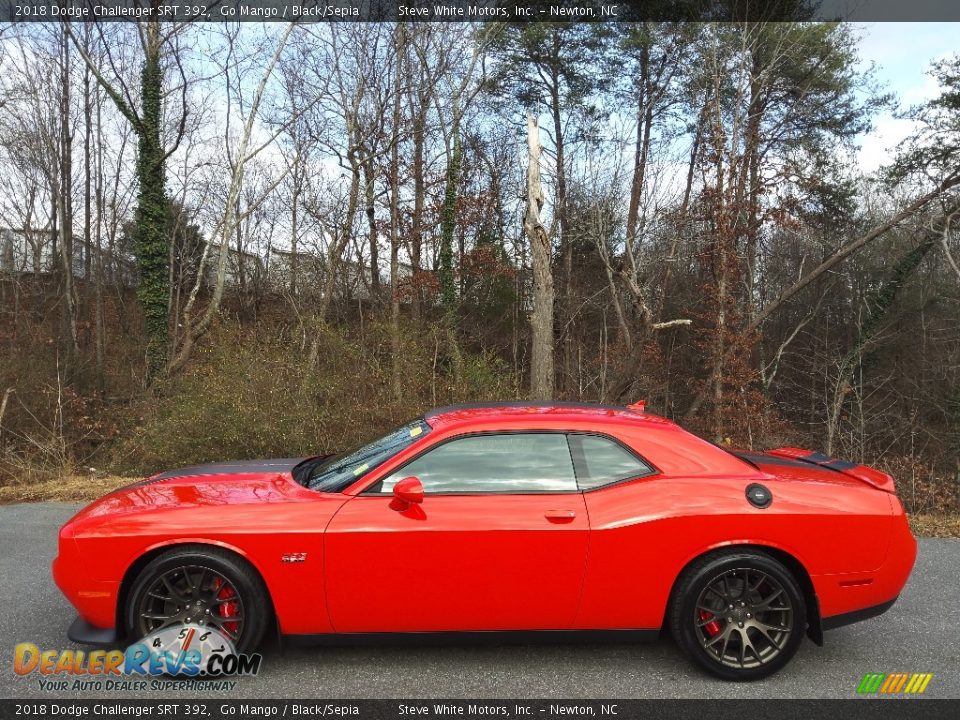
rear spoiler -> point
(869, 475)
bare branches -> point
(123, 103)
(853, 247)
(196, 329)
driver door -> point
(498, 543)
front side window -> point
(601, 461)
(339, 472)
(515, 463)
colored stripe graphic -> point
(870, 683)
(894, 683)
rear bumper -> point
(835, 621)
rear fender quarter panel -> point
(849, 592)
(644, 533)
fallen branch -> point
(669, 324)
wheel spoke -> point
(717, 593)
(170, 588)
(747, 643)
(199, 585)
(162, 625)
(765, 629)
(187, 579)
(221, 626)
(765, 602)
(716, 638)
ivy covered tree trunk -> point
(151, 241)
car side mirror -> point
(409, 490)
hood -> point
(235, 483)
(230, 467)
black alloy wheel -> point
(206, 587)
(741, 616)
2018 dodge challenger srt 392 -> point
(553, 518)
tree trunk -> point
(566, 244)
(642, 147)
(395, 215)
(369, 180)
(87, 127)
(65, 209)
(295, 229)
(541, 321)
(416, 235)
(448, 221)
(99, 321)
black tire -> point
(253, 600)
(710, 614)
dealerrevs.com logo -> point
(185, 652)
(894, 683)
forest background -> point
(227, 241)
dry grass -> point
(72, 488)
(943, 526)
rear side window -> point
(601, 461)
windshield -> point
(339, 472)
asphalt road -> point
(920, 634)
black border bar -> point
(612, 709)
(479, 10)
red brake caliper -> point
(712, 627)
(227, 609)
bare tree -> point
(244, 152)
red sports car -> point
(552, 518)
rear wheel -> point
(206, 587)
(740, 615)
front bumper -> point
(82, 631)
(95, 600)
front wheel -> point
(740, 615)
(202, 586)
